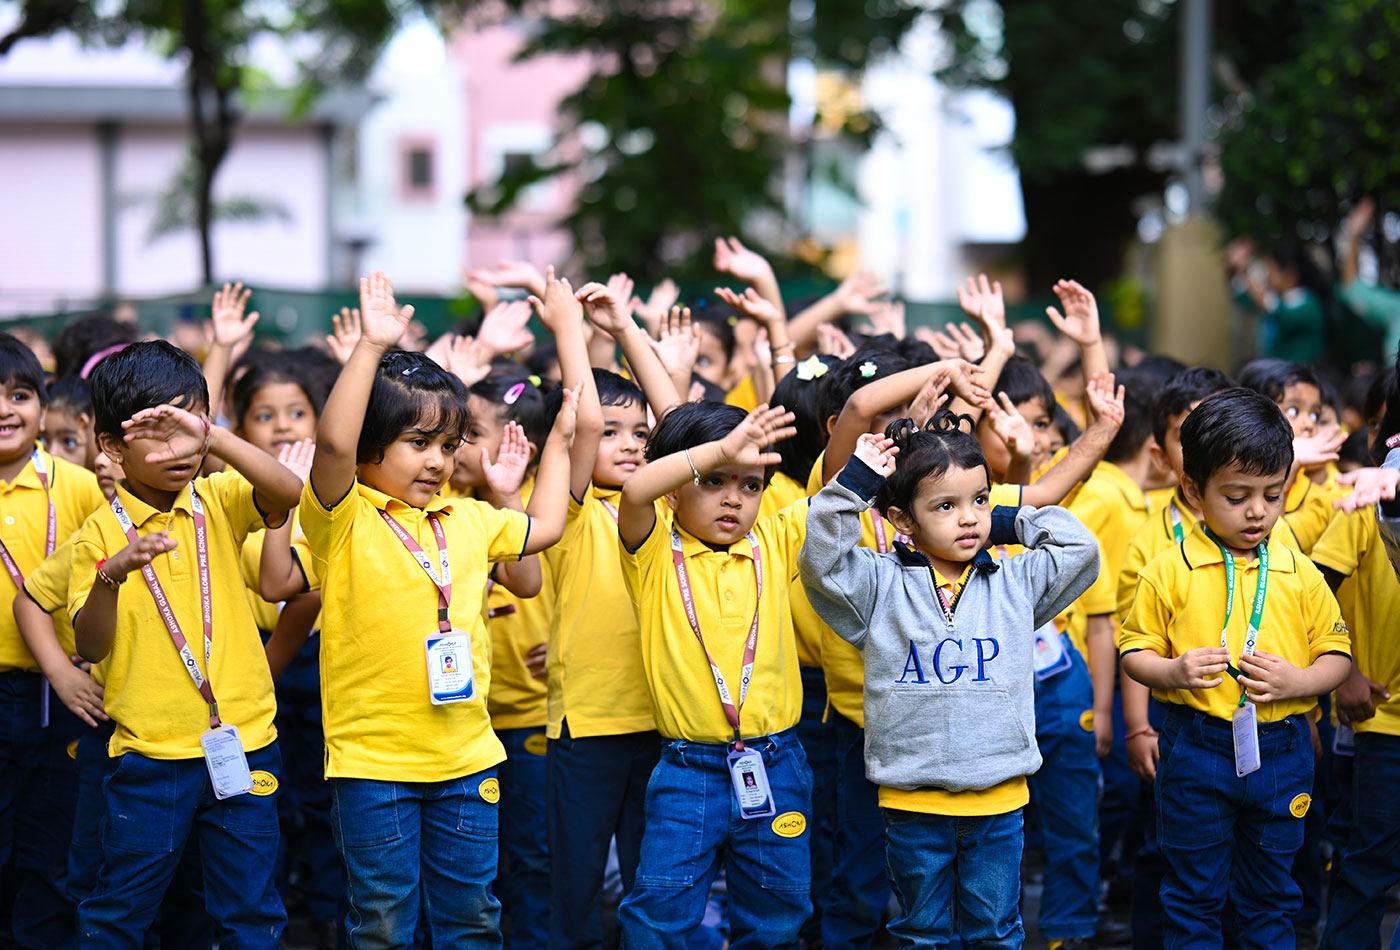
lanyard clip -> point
(738, 741)
(443, 622)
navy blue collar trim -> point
(983, 563)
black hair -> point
(86, 336)
(615, 390)
(802, 397)
(269, 367)
(411, 391)
(1291, 255)
(709, 392)
(144, 375)
(71, 394)
(1064, 422)
(1136, 429)
(20, 367)
(1272, 377)
(916, 351)
(930, 451)
(1159, 368)
(542, 359)
(1356, 389)
(1390, 421)
(1186, 387)
(1372, 406)
(867, 365)
(1022, 381)
(691, 424)
(721, 324)
(1328, 393)
(521, 399)
(1355, 450)
(1237, 426)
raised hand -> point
(505, 329)
(296, 458)
(745, 445)
(484, 292)
(230, 326)
(877, 452)
(751, 304)
(1106, 405)
(1368, 486)
(382, 321)
(1201, 668)
(887, 316)
(929, 400)
(345, 333)
(468, 360)
(733, 258)
(832, 342)
(604, 310)
(1080, 321)
(679, 345)
(1310, 451)
(967, 381)
(508, 471)
(971, 346)
(982, 300)
(622, 286)
(556, 304)
(567, 420)
(138, 554)
(521, 274)
(940, 342)
(186, 435)
(663, 297)
(859, 292)
(1012, 428)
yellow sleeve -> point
(1311, 518)
(326, 529)
(635, 563)
(234, 493)
(506, 532)
(1005, 495)
(1149, 621)
(1327, 631)
(307, 561)
(814, 478)
(47, 584)
(1133, 564)
(1339, 548)
(87, 551)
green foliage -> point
(1320, 131)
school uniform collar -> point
(139, 512)
(691, 546)
(909, 556)
(1200, 550)
(1131, 491)
(613, 495)
(396, 507)
(28, 477)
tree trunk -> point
(210, 92)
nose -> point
(732, 496)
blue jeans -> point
(1119, 835)
(522, 881)
(153, 806)
(183, 921)
(1370, 863)
(860, 884)
(693, 823)
(946, 864)
(411, 842)
(1148, 867)
(1224, 835)
(818, 740)
(38, 797)
(1064, 793)
(596, 789)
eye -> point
(1235, 501)
(943, 506)
(711, 481)
(264, 417)
(703, 360)
(981, 500)
(419, 443)
(1272, 499)
(1290, 411)
(19, 395)
(753, 484)
(1314, 416)
(70, 443)
(1042, 425)
(609, 433)
(449, 446)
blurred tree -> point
(681, 132)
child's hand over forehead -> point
(508, 471)
(1310, 451)
(761, 428)
(877, 452)
(296, 458)
(186, 435)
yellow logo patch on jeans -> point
(264, 783)
(789, 824)
(489, 790)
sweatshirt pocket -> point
(949, 736)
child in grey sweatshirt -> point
(947, 635)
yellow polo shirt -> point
(1001, 798)
(1308, 509)
(47, 586)
(1112, 507)
(1180, 605)
(250, 567)
(518, 624)
(1352, 547)
(24, 519)
(149, 694)
(596, 678)
(378, 606)
(686, 699)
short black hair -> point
(1355, 450)
(542, 359)
(1138, 389)
(411, 391)
(521, 399)
(932, 450)
(691, 424)
(1272, 377)
(85, 337)
(1023, 381)
(1374, 403)
(1159, 367)
(269, 367)
(802, 397)
(70, 394)
(709, 392)
(867, 365)
(144, 375)
(615, 390)
(1186, 387)
(721, 323)
(1239, 426)
(20, 367)
(1390, 418)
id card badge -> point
(450, 676)
(1051, 657)
(750, 780)
(228, 766)
(1344, 740)
(1246, 729)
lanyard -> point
(167, 613)
(50, 536)
(443, 581)
(881, 539)
(1256, 617)
(731, 709)
(612, 509)
(1178, 535)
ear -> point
(111, 447)
(830, 426)
(534, 454)
(1192, 492)
(85, 421)
(1159, 459)
(901, 521)
(672, 498)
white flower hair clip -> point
(811, 368)
(868, 369)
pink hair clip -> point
(513, 394)
(98, 357)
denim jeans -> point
(406, 842)
(1148, 867)
(153, 806)
(942, 865)
(1224, 835)
(1119, 832)
(183, 922)
(818, 740)
(522, 880)
(1370, 863)
(37, 801)
(693, 823)
(860, 884)
(1064, 793)
(595, 790)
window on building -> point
(418, 175)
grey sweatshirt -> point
(1388, 515)
(949, 700)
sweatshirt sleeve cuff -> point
(1004, 525)
(861, 479)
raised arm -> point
(606, 312)
(562, 314)
(736, 260)
(855, 294)
(524, 577)
(1080, 322)
(753, 304)
(280, 577)
(232, 331)
(1086, 451)
(747, 444)
(549, 505)
(382, 324)
(95, 626)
